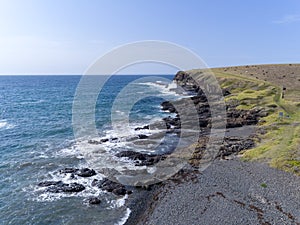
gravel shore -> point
(228, 192)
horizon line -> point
(62, 74)
(153, 74)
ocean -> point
(37, 140)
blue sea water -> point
(36, 140)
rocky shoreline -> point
(228, 192)
(231, 145)
(241, 135)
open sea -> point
(36, 140)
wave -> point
(99, 152)
(162, 87)
(5, 125)
(41, 195)
(125, 218)
(32, 102)
(118, 202)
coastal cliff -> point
(238, 119)
(262, 140)
(265, 97)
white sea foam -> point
(101, 155)
(118, 202)
(32, 102)
(163, 88)
(73, 150)
(41, 195)
(5, 125)
(120, 112)
(125, 218)
(166, 89)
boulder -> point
(94, 201)
(120, 191)
(68, 170)
(141, 158)
(142, 128)
(111, 186)
(132, 155)
(85, 172)
(69, 188)
(168, 106)
(49, 183)
(94, 142)
(142, 136)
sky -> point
(66, 36)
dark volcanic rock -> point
(142, 128)
(49, 183)
(68, 170)
(234, 118)
(142, 136)
(230, 146)
(239, 118)
(106, 184)
(143, 159)
(86, 172)
(94, 201)
(94, 142)
(172, 122)
(120, 191)
(111, 186)
(168, 106)
(226, 92)
(62, 187)
(199, 98)
(186, 81)
(132, 155)
(233, 145)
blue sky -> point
(66, 36)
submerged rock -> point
(142, 136)
(94, 201)
(94, 142)
(120, 191)
(143, 159)
(86, 172)
(62, 187)
(68, 170)
(142, 128)
(132, 155)
(49, 183)
(111, 186)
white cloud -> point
(288, 19)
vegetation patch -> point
(279, 146)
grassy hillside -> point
(263, 86)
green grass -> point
(264, 185)
(280, 145)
